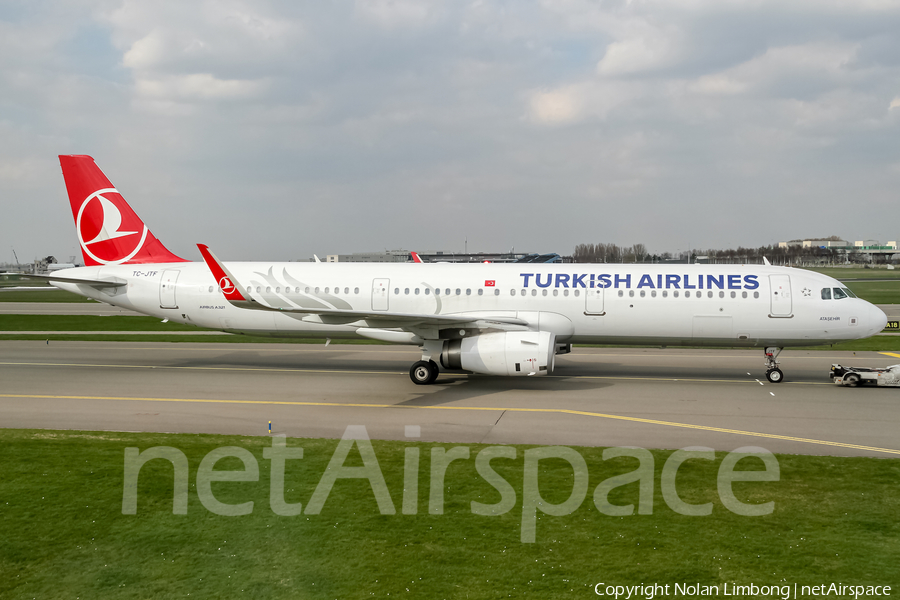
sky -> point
(275, 130)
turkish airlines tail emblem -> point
(109, 231)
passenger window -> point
(307, 290)
(734, 294)
(427, 291)
(437, 291)
(278, 290)
(631, 293)
(468, 292)
(826, 293)
(496, 292)
(480, 292)
(458, 291)
(556, 292)
(534, 292)
(643, 293)
(709, 294)
(621, 293)
(721, 294)
(675, 294)
(565, 292)
(755, 294)
(523, 292)
(543, 292)
(512, 292)
(416, 291)
(743, 294)
(346, 290)
(665, 294)
(447, 292)
(396, 291)
(210, 289)
(687, 294)
(653, 293)
(406, 291)
(577, 293)
(355, 290)
(839, 294)
(326, 290)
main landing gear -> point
(773, 373)
(424, 372)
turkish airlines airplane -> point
(495, 319)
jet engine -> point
(502, 353)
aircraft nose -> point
(877, 319)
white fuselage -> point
(699, 305)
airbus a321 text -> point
(495, 319)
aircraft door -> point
(593, 301)
(380, 293)
(167, 289)
(780, 286)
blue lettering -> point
(645, 282)
(659, 281)
(701, 281)
(537, 280)
(527, 276)
(603, 281)
(712, 280)
(673, 281)
(687, 284)
(626, 280)
(592, 280)
(734, 282)
(562, 280)
(578, 280)
(750, 282)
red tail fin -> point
(109, 231)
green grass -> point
(40, 296)
(87, 323)
(856, 272)
(64, 534)
(877, 292)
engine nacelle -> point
(502, 353)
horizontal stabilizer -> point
(97, 283)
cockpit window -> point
(849, 293)
(826, 293)
(839, 294)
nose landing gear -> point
(773, 373)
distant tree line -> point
(790, 255)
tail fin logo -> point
(226, 285)
(106, 234)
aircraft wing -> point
(381, 319)
(97, 283)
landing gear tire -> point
(424, 372)
(851, 380)
(775, 376)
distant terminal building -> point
(444, 257)
(857, 251)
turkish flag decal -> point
(489, 283)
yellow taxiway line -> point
(770, 436)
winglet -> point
(416, 258)
(766, 261)
(227, 282)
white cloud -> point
(895, 103)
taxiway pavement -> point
(653, 398)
